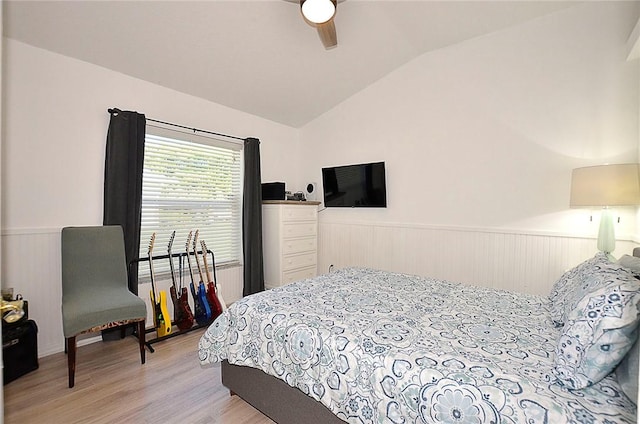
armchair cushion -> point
(103, 306)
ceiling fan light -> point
(318, 11)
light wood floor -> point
(113, 387)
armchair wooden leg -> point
(70, 342)
(142, 338)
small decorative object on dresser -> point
(290, 234)
(311, 191)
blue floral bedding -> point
(380, 347)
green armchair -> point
(95, 293)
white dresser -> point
(290, 241)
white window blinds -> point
(190, 182)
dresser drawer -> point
(299, 261)
(299, 274)
(303, 229)
(299, 213)
(299, 245)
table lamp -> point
(606, 186)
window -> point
(190, 182)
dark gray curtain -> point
(252, 219)
(123, 181)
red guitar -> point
(182, 314)
(212, 285)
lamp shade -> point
(606, 185)
(318, 11)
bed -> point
(369, 346)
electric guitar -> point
(161, 319)
(212, 284)
(201, 306)
(181, 311)
(214, 302)
(202, 290)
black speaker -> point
(273, 191)
(19, 349)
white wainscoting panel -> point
(510, 260)
(230, 280)
(31, 261)
(31, 265)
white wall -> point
(633, 48)
(1, 267)
(484, 134)
(54, 130)
(56, 123)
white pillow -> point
(631, 263)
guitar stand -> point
(196, 326)
(148, 343)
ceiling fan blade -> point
(327, 33)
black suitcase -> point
(19, 349)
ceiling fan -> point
(320, 14)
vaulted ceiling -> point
(258, 56)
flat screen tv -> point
(355, 186)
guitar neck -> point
(195, 253)
(190, 268)
(151, 272)
(171, 267)
(173, 272)
(152, 275)
(204, 260)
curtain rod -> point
(114, 110)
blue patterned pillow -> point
(627, 372)
(572, 286)
(599, 331)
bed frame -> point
(275, 398)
